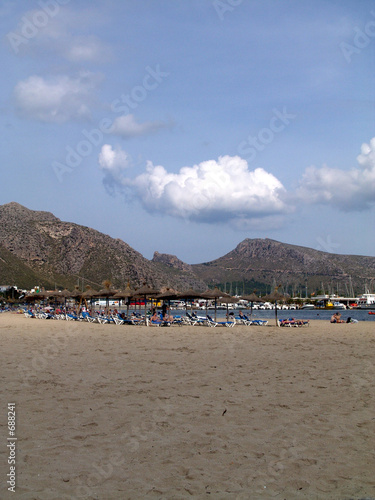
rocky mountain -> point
(256, 262)
(171, 261)
(58, 253)
(13, 271)
(38, 248)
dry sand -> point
(118, 412)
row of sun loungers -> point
(137, 319)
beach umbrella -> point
(63, 294)
(227, 301)
(42, 295)
(89, 294)
(214, 294)
(169, 294)
(37, 296)
(76, 294)
(146, 291)
(125, 294)
(275, 297)
(252, 298)
(190, 294)
(106, 292)
(30, 297)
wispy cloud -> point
(57, 30)
(347, 190)
(126, 126)
(113, 162)
(56, 99)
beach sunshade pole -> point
(215, 294)
(146, 291)
(274, 297)
(276, 312)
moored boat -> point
(308, 306)
(366, 301)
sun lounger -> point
(213, 323)
(72, 317)
(104, 320)
(178, 320)
(85, 316)
(195, 320)
(259, 322)
(243, 320)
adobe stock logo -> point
(223, 6)
(30, 26)
(361, 40)
(249, 148)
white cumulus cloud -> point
(212, 191)
(127, 126)
(113, 159)
(348, 190)
(113, 162)
(57, 99)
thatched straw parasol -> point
(229, 300)
(62, 294)
(89, 294)
(169, 294)
(190, 294)
(146, 291)
(253, 297)
(125, 294)
(106, 292)
(37, 296)
(214, 294)
(274, 297)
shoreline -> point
(115, 411)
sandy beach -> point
(129, 412)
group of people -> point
(165, 316)
(336, 318)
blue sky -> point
(186, 126)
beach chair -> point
(212, 323)
(196, 320)
(243, 320)
(85, 316)
(72, 317)
(118, 319)
(44, 315)
(178, 320)
(105, 320)
(259, 322)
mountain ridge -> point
(40, 246)
(60, 251)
